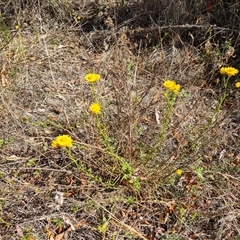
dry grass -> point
(120, 188)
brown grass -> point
(135, 47)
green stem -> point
(95, 96)
(81, 167)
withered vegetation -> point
(124, 187)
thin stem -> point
(222, 99)
(81, 167)
(171, 99)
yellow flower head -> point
(92, 77)
(62, 141)
(177, 88)
(237, 84)
(16, 27)
(95, 108)
(179, 171)
(172, 86)
(229, 71)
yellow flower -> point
(16, 27)
(169, 84)
(92, 77)
(62, 141)
(237, 84)
(177, 88)
(229, 71)
(95, 108)
(179, 171)
(172, 86)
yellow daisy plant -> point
(179, 172)
(62, 141)
(172, 86)
(237, 84)
(95, 108)
(229, 71)
(92, 77)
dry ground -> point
(135, 47)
